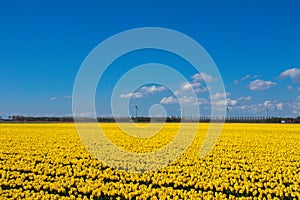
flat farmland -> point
(249, 161)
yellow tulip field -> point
(249, 161)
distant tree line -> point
(38, 119)
(231, 119)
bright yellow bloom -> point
(48, 161)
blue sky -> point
(255, 45)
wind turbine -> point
(136, 110)
(181, 112)
(227, 110)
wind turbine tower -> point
(136, 110)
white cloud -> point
(228, 102)
(131, 95)
(201, 90)
(273, 104)
(225, 102)
(279, 106)
(168, 100)
(196, 84)
(293, 73)
(143, 91)
(245, 77)
(185, 100)
(260, 84)
(218, 96)
(203, 77)
(260, 108)
(248, 76)
(296, 112)
(52, 98)
(232, 102)
(189, 86)
(202, 101)
(295, 105)
(68, 97)
(243, 98)
(254, 108)
(289, 87)
(182, 100)
(152, 89)
(243, 107)
(268, 103)
(221, 99)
